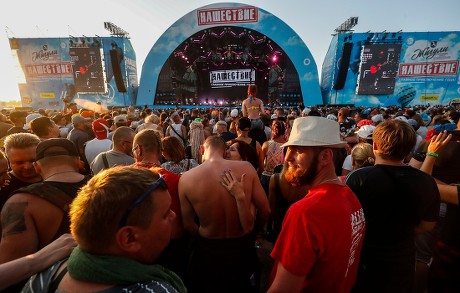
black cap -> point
(55, 147)
(244, 123)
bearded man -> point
(320, 241)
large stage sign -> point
(231, 78)
(53, 71)
(378, 69)
(395, 68)
(88, 73)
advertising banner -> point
(397, 68)
(56, 71)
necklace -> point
(58, 173)
(149, 163)
(328, 180)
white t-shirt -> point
(347, 163)
(96, 146)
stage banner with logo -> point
(398, 68)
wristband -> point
(432, 154)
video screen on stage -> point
(231, 78)
(378, 69)
(88, 73)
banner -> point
(231, 78)
(396, 68)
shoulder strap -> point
(104, 160)
(177, 133)
(50, 193)
(57, 280)
(172, 127)
(55, 196)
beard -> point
(297, 176)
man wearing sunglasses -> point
(147, 153)
(122, 221)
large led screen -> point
(87, 68)
(378, 69)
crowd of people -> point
(250, 199)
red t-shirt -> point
(321, 239)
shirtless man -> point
(252, 107)
(223, 257)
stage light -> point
(274, 58)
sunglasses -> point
(160, 182)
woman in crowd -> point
(196, 137)
(206, 127)
(362, 155)
(164, 122)
(240, 151)
(174, 154)
(272, 152)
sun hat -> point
(365, 131)
(315, 131)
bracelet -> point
(432, 154)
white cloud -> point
(294, 41)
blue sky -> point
(146, 20)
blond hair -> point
(100, 204)
(362, 155)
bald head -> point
(123, 133)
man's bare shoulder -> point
(13, 214)
(213, 167)
(35, 204)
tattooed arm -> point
(19, 235)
